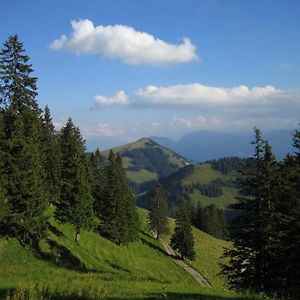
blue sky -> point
(128, 69)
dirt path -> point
(198, 277)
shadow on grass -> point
(155, 247)
(183, 296)
(62, 257)
(117, 267)
(55, 231)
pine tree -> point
(76, 202)
(18, 87)
(287, 253)
(158, 210)
(118, 215)
(183, 240)
(97, 180)
(22, 165)
(251, 258)
(51, 148)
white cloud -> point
(105, 130)
(125, 43)
(180, 122)
(198, 95)
(119, 99)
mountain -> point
(146, 161)
(205, 145)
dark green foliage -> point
(248, 269)
(22, 173)
(174, 187)
(52, 162)
(267, 230)
(76, 202)
(227, 164)
(212, 189)
(18, 88)
(98, 180)
(211, 219)
(158, 210)
(117, 211)
(183, 240)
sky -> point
(129, 69)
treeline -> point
(211, 220)
(266, 253)
(212, 189)
(227, 165)
(40, 167)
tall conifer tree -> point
(22, 170)
(51, 148)
(252, 259)
(75, 205)
(118, 215)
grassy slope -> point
(204, 174)
(139, 270)
(141, 176)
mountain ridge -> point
(201, 146)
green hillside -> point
(97, 268)
(199, 183)
(205, 174)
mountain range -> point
(205, 145)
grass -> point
(97, 268)
(202, 174)
(141, 176)
(223, 201)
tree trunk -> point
(77, 235)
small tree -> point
(183, 239)
(158, 210)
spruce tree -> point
(118, 215)
(288, 258)
(51, 148)
(75, 205)
(97, 180)
(251, 259)
(183, 240)
(158, 210)
(22, 165)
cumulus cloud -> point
(106, 130)
(180, 122)
(119, 99)
(125, 43)
(197, 94)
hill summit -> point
(146, 161)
